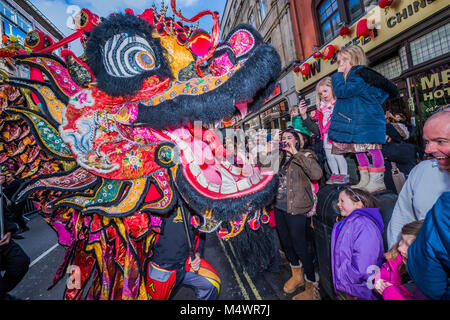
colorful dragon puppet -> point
(108, 143)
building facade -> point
(272, 18)
(410, 44)
(18, 17)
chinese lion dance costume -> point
(107, 145)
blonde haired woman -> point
(358, 124)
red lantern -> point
(362, 29)
(328, 52)
(317, 54)
(306, 68)
(384, 4)
(344, 31)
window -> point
(403, 58)
(329, 19)
(331, 14)
(24, 24)
(391, 68)
(355, 9)
(431, 45)
(8, 12)
(262, 10)
(312, 97)
(16, 18)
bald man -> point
(427, 180)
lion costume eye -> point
(32, 39)
(81, 19)
(145, 60)
(126, 56)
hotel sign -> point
(389, 24)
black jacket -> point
(9, 190)
(171, 250)
(9, 225)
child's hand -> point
(381, 285)
(302, 107)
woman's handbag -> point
(398, 177)
(315, 189)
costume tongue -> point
(242, 107)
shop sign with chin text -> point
(401, 16)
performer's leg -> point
(160, 281)
(204, 289)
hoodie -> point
(357, 252)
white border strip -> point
(43, 255)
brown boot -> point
(295, 281)
(311, 292)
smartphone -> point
(279, 144)
(300, 98)
(311, 108)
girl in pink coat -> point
(392, 280)
(325, 101)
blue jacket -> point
(358, 116)
(429, 255)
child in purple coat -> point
(356, 244)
